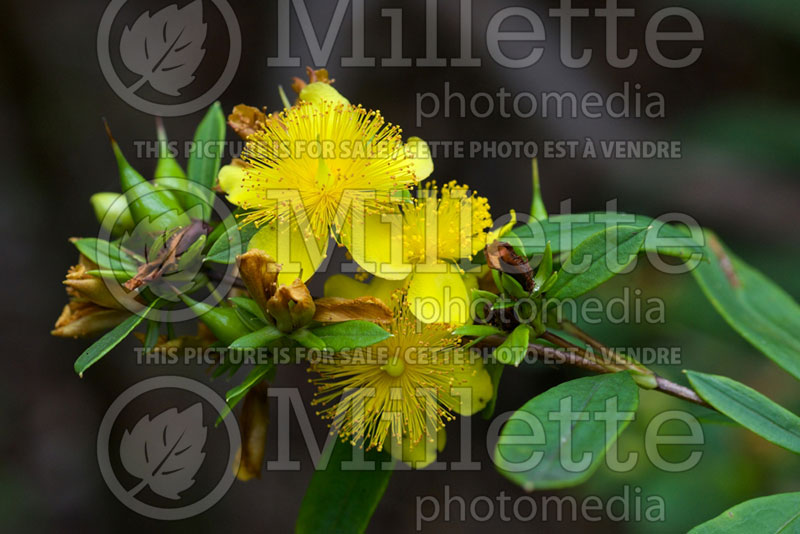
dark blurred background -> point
(736, 113)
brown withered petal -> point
(86, 262)
(246, 120)
(336, 309)
(319, 75)
(292, 306)
(85, 287)
(501, 257)
(86, 319)
(253, 422)
(259, 272)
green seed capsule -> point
(224, 323)
(111, 210)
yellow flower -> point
(402, 387)
(456, 220)
(343, 286)
(421, 243)
(313, 166)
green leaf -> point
(151, 337)
(564, 232)
(307, 339)
(776, 514)
(485, 295)
(608, 253)
(204, 161)
(110, 340)
(107, 255)
(259, 338)
(545, 269)
(233, 396)
(232, 242)
(503, 304)
(340, 501)
(476, 330)
(119, 276)
(250, 321)
(530, 431)
(749, 408)
(249, 305)
(495, 371)
(350, 335)
(512, 287)
(513, 350)
(752, 304)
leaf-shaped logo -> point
(167, 452)
(165, 49)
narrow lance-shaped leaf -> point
(545, 269)
(749, 408)
(776, 514)
(250, 321)
(307, 339)
(204, 161)
(106, 254)
(342, 501)
(752, 304)
(259, 338)
(250, 305)
(565, 232)
(512, 351)
(350, 335)
(111, 339)
(597, 259)
(259, 373)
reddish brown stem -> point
(572, 356)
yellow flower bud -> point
(421, 454)
(471, 389)
(318, 92)
(230, 181)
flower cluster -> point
(319, 172)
